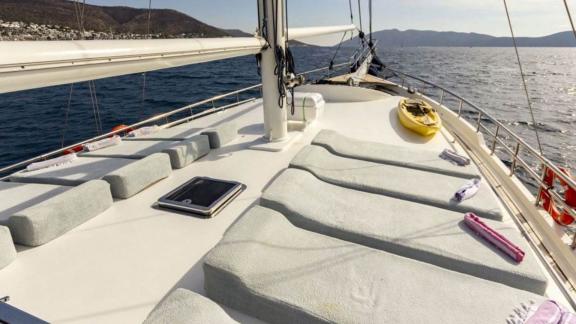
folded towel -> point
(454, 157)
(548, 312)
(114, 140)
(64, 159)
(493, 237)
(147, 130)
(468, 190)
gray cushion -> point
(57, 215)
(268, 268)
(420, 159)
(222, 134)
(126, 176)
(185, 307)
(176, 133)
(137, 176)
(188, 151)
(413, 230)
(7, 249)
(408, 184)
(181, 153)
(72, 174)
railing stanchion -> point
(460, 108)
(441, 96)
(514, 158)
(479, 122)
(544, 169)
(495, 137)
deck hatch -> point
(201, 195)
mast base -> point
(263, 144)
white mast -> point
(272, 22)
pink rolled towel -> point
(495, 238)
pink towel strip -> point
(490, 235)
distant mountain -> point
(237, 33)
(409, 38)
(106, 19)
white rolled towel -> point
(61, 160)
(111, 141)
(147, 130)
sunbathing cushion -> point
(221, 135)
(268, 268)
(176, 133)
(126, 176)
(49, 218)
(408, 184)
(179, 156)
(413, 230)
(135, 177)
(389, 154)
(185, 307)
(188, 151)
(81, 170)
(7, 249)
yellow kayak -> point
(418, 116)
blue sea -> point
(35, 122)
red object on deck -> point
(123, 127)
(560, 216)
(75, 149)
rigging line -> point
(351, 14)
(97, 106)
(360, 14)
(370, 19)
(148, 36)
(570, 17)
(331, 65)
(522, 77)
(351, 17)
(93, 108)
(63, 137)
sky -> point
(529, 17)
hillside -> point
(409, 38)
(163, 22)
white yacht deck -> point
(116, 267)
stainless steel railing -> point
(502, 135)
(164, 118)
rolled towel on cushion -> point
(142, 131)
(454, 157)
(114, 140)
(468, 190)
(546, 312)
(495, 238)
(61, 160)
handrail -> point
(482, 113)
(514, 152)
(162, 116)
(137, 124)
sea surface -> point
(38, 121)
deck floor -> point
(119, 265)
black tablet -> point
(201, 195)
